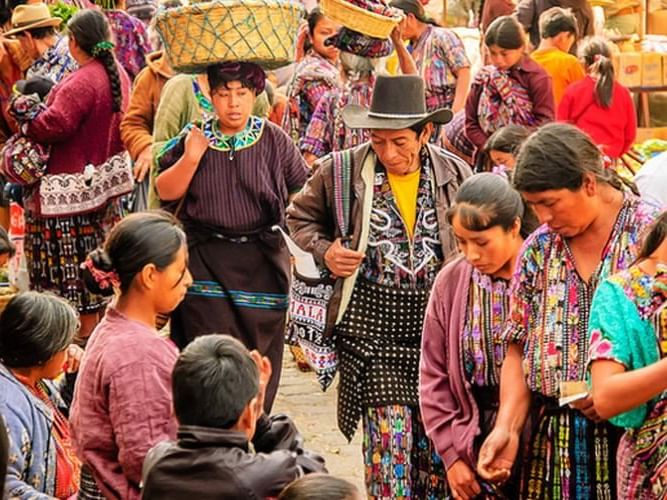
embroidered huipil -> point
(313, 77)
(482, 346)
(132, 41)
(550, 303)
(629, 326)
(55, 64)
(326, 131)
(392, 258)
(439, 54)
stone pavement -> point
(314, 412)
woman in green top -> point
(628, 364)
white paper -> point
(571, 399)
(303, 261)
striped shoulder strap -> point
(342, 174)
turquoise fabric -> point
(619, 333)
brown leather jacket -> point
(310, 217)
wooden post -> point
(444, 13)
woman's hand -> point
(341, 261)
(397, 34)
(586, 407)
(143, 164)
(462, 481)
(73, 357)
(497, 455)
(301, 38)
(196, 144)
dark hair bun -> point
(102, 262)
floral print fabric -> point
(132, 41)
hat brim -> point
(355, 116)
(52, 21)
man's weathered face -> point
(398, 150)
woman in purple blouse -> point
(461, 350)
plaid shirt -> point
(439, 55)
(327, 132)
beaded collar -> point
(244, 139)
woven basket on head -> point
(258, 31)
(358, 19)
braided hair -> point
(92, 34)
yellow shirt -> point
(405, 189)
(563, 68)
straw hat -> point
(31, 16)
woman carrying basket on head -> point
(234, 174)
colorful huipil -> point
(132, 41)
(378, 341)
(629, 326)
(55, 64)
(240, 266)
(313, 77)
(482, 344)
(439, 55)
(327, 132)
(568, 456)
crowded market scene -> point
(333, 249)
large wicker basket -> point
(259, 31)
(358, 19)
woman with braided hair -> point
(81, 126)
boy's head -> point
(7, 249)
(320, 487)
(560, 27)
(215, 384)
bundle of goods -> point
(258, 31)
(372, 18)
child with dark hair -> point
(558, 31)
(502, 148)
(513, 89)
(122, 402)
(218, 388)
(36, 334)
(628, 353)
(320, 487)
(599, 105)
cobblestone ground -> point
(314, 412)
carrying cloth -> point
(309, 298)
(378, 341)
(502, 101)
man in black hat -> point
(439, 56)
(398, 239)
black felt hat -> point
(398, 102)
